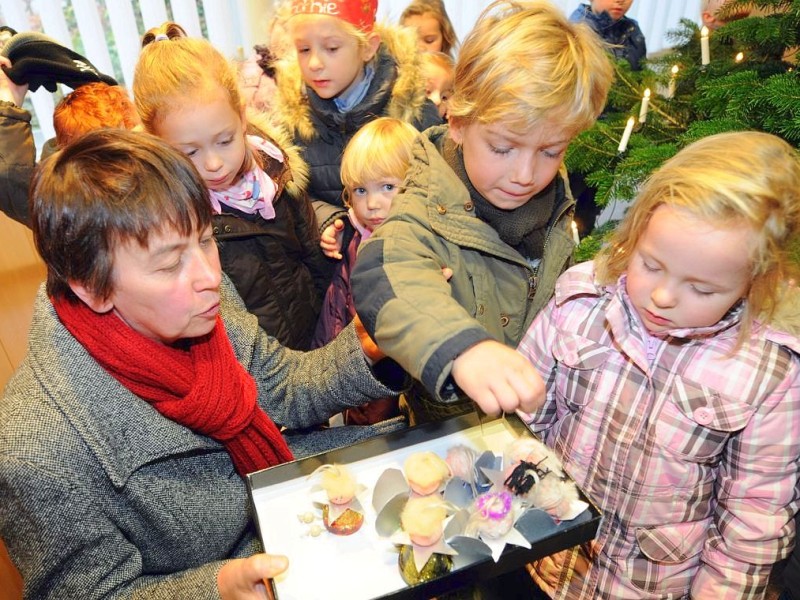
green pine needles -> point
(751, 83)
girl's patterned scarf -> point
(202, 387)
(255, 191)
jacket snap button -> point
(504, 321)
(215, 230)
(703, 415)
(227, 229)
(441, 209)
(468, 205)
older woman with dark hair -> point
(148, 391)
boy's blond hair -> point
(747, 179)
(524, 63)
(437, 59)
(381, 148)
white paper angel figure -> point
(338, 495)
(424, 554)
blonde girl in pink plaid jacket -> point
(673, 381)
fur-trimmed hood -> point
(260, 124)
(398, 45)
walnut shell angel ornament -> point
(339, 496)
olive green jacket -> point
(418, 317)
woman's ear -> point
(373, 43)
(90, 299)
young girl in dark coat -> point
(187, 93)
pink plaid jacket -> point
(690, 453)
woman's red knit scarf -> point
(203, 388)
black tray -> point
(360, 565)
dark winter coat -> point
(338, 308)
(277, 265)
(625, 36)
(322, 132)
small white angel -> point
(337, 493)
(426, 473)
(424, 554)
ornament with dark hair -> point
(524, 476)
(534, 474)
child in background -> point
(186, 92)
(257, 72)
(607, 18)
(626, 41)
(484, 197)
(372, 178)
(438, 69)
(709, 16)
(257, 79)
(92, 106)
(434, 29)
(89, 106)
(673, 383)
(347, 73)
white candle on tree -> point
(626, 135)
(673, 82)
(575, 237)
(705, 53)
(645, 106)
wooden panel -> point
(21, 272)
(6, 368)
(12, 582)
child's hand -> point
(331, 240)
(10, 91)
(498, 378)
(243, 578)
(368, 345)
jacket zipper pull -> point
(533, 283)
